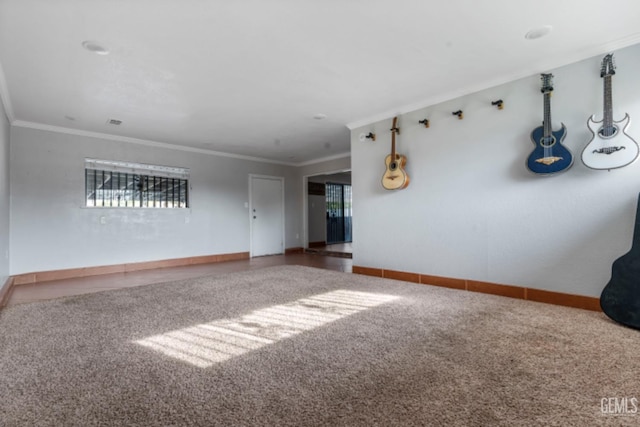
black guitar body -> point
(620, 299)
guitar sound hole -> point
(393, 166)
(607, 132)
(547, 141)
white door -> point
(267, 215)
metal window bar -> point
(173, 192)
(145, 192)
(185, 184)
(155, 192)
(110, 191)
(101, 193)
(117, 194)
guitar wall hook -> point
(459, 114)
(371, 136)
(424, 122)
(498, 104)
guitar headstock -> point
(547, 83)
(608, 67)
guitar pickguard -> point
(608, 150)
(548, 160)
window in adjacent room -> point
(135, 185)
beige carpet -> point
(297, 346)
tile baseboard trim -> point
(47, 276)
(297, 250)
(5, 291)
(530, 294)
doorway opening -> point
(339, 213)
(328, 220)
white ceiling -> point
(247, 77)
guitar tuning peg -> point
(459, 114)
(424, 122)
(499, 103)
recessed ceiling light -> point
(320, 116)
(95, 47)
(536, 33)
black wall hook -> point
(424, 122)
(498, 103)
(371, 136)
(459, 114)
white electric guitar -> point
(610, 146)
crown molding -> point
(149, 143)
(324, 159)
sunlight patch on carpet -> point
(206, 344)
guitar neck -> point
(608, 103)
(393, 145)
(394, 129)
(546, 121)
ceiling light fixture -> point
(539, 32)
(95, 47)
(320, 116)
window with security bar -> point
(135, 185)
(339, 214)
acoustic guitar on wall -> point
(549, 156)
(610, 146)
(395, 177)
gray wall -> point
(51, 228)
(4, 197)
(473, 210)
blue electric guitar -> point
(549, 156)
(610, 146)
